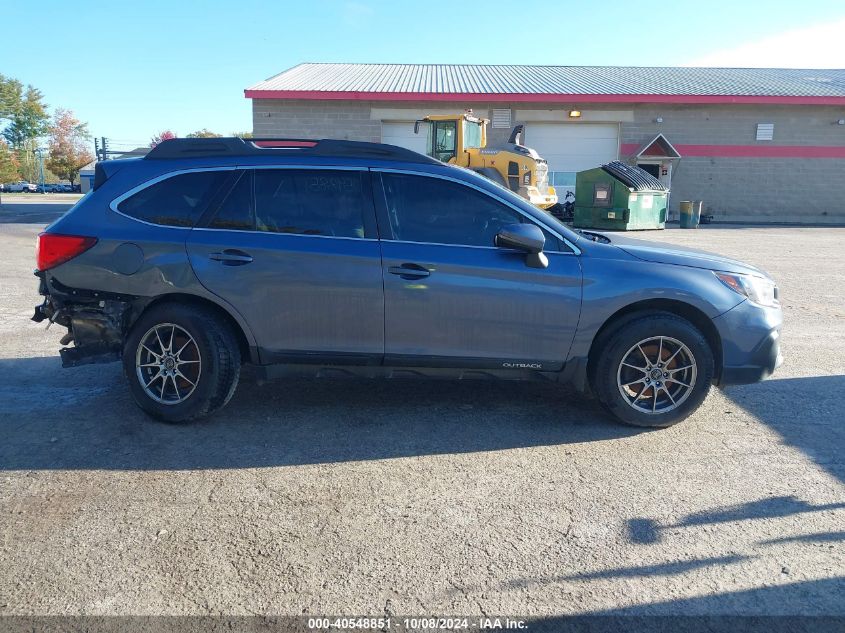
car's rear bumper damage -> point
(96, 321)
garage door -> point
(401, 133)
(572, 147)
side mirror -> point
(417, 127)
(527, 238)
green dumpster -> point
(619, 197)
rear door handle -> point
(409, 271)
(231, 257)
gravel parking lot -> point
(392, 497)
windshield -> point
(472, 134)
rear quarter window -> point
(175, 201)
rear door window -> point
(236, 212)
(175, 201)
(324, 202)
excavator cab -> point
(450, 136)
(461, 139)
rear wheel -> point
(182, 363)
(654, 370)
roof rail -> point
(234, 146)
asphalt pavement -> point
(400, 497)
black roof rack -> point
(234, 146)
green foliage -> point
(8, 164)
(68, 145)
(203, 133)
(27, 157)
(11, 95)
(242, 134)
(26, 112)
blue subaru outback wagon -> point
(337, 257)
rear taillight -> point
(52, 249)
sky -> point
(133, 68)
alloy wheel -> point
(168, 363)
(656, 375)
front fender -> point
(615, 284)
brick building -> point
(754, 144)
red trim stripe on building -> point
(318, 95)
(748, 151)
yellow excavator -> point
(461, 139)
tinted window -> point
(442, 212)
(175, 201)
(236, 211)
(309, 202)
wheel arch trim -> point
(241, 330)
(635, 310)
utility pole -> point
(105, 143)
(96, 148)
(40, 152)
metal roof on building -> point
(547, 83)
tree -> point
(28, 162)
(11, 93)
(242, 134)
(8, 164)
(26, 112)
(68, 145)
(164, 135)
(203, 133)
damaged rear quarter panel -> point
(101, 322)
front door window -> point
(436, 211)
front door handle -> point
(409, 271)
(231, 257)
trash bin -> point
(620, 197)
(690, 214)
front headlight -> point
(758, 290)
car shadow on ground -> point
(810, 606)
(647, 532)
(807, 414)
(84, 419)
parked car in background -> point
(334, 258)
(22, 186)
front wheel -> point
(654, 370)
(181, 362)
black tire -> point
(615, 346)
(216, 348)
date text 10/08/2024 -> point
(416, 623)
